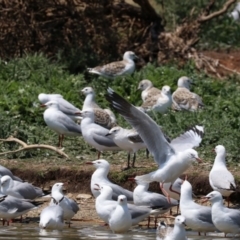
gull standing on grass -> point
(197, 217)
(220, 178)
(69, 206)
(177, 233)
(225, 219)
(95, 135)
(120, 219)
(20, 190)
(128, 140)
(11, 207)
(143, 197)
(171, 163)
(148, 90)
(64, 106)
(51, 217)
(184, 99)
(159, 103)
(116, 69)
(100, 177)
(60, 122)
(105, 206)
(101, 116)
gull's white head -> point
(166, 90)
(87, 90)
(191, 155)
(6, 182)
(105, 191)
(114, 131)
(143, 184)
(129, 55)
(88, 113)
(214, 196)
(122, 200)
(100, 163)
(51, 104)
(145, 84)
(220, 149)
(185, 82)
(186, 187)
(180, 221)
(57, 187)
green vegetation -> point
(23, 79)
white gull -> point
(69, 206)
(171, 163)
(100, 177)
(120, 219)
(198, 217)
(60, 122)
(220, 178)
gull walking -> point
(225, 219)
(197, 217)
(148, 90)
(159, 103)
(177, 233)
(171, 163)
(69, 206)
(100, 177)
(115, 69)
(127, 139)
(51, 217)
(64, 106)
(120, 219)
(105, 206)
(95, 135)
(220, 178)
(183, 98)
(60, 122)
(20, 189)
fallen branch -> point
(32, 146)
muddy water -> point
(93, 231)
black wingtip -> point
(195, 129)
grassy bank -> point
(23, 79)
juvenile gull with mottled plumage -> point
(115, 69)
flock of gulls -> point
(118, 207)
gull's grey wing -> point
(139, 211)
(69, 124)
(103, 140)
(156, 200)
(234, 214)
(205, 215)
(190, 139)
(222, 179)
(134, 137)
(118, 190)
(148, 130)
(74, 205)
(27, 190)
(66, 105)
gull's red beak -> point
(199, 159)
(89, 163)
(213, 150)
(42, 105)
(78, 113)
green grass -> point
(23, 79)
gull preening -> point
(148, 90)
(177, 233)
(69, 206)
(100, 177)
(128, 140)
(60, 122)
(225, 219)
(120, 219)
(220, 178)
(197, 217)
(115, 69)
(184, 99)
(95, 135)
(63, 105)
(171, 163)
(158, 103)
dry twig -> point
(32, 146)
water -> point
(88, 231)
